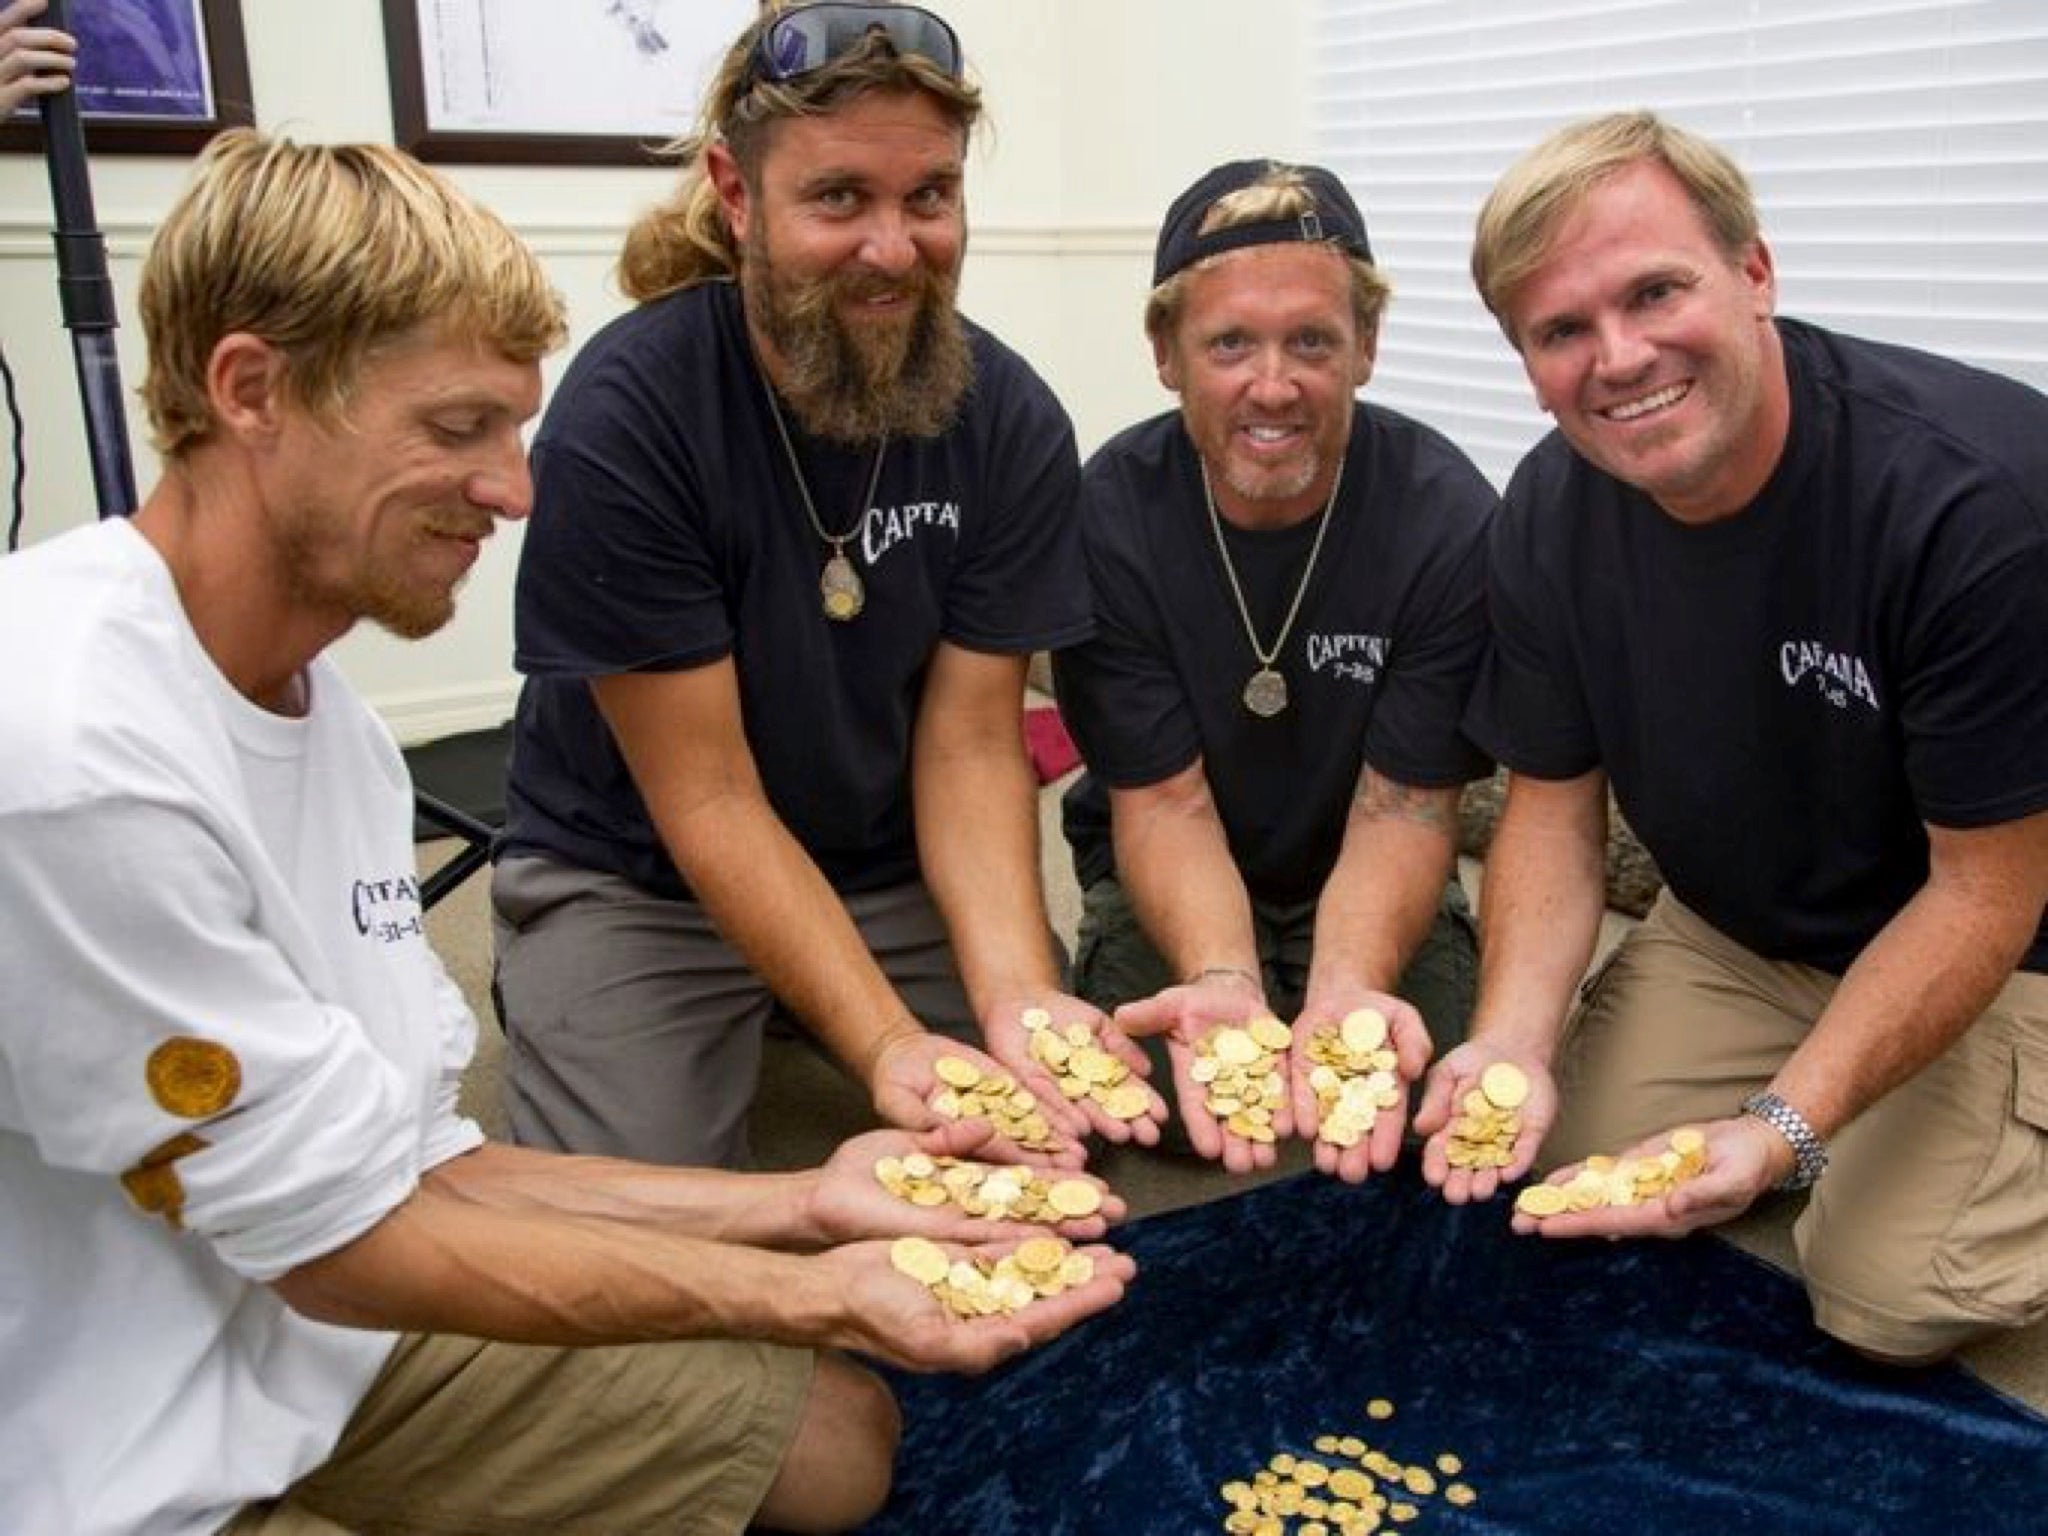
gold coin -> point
(1379, 1408)
(1348, 1483)
(1074, 1197)
(957, 1071)
(193, 1078)
(1540, 1200)
(921, 1259)
(1126, 1101)
(1271, 1033)
(1505, 1085)
(1040, 1255)
(1364, 1029)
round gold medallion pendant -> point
(841, 589)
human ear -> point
(246, 384)
(734, 197)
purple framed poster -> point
(154, 76)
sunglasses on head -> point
(808, 37)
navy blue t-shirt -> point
(1378, 663)
(1781, 699)
(668, 533)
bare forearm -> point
(1911, 994)
(1387, 887)
(977, 840)
(773, 905)
(1543, 894)
(1174, 861)
(445, 1263)
(759, 1209)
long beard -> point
(856, 383)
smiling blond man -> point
(1787, 591)
(259, 1272)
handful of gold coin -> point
(992, 1191)
(1241, 1073)
(1353, 1076)
(1482, 1134)
(1082, 1068)
(1608, 1181)
(985, 1287)
(967, 1093)
(1347, 1488)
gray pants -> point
(1115, 963)
(633, 1030)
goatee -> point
(858, 382)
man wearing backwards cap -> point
(1289, 614)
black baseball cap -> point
(1334, 220)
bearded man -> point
(798, 528)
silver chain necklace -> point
(1265, 693)
(840, 589)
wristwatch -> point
(1809, 1156)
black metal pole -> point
(87, 296)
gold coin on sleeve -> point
(193, 1078)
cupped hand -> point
(1065, 1021)
(1458, 1074)
(848, 1202)
(904, 1080)
(1187, 1014)
(1744, 1160)
(892, 1317)
(1409, 1040)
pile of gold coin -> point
(968, 1093)
(1348, 1488)
(993, 1191)
(1082, 1068)
(1243, 1073)
(1353, 1076)
(984, 1287)
(1482, 1134)
(1604, 1181)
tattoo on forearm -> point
(1381, 799)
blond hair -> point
(324, 251)
(1281, 193)
(1533, 198)
(686, 240)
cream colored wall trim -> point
(26, 235)
(430, 714)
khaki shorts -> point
(463, 1436)
(1930, 1226)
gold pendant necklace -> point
(1265, 692)
(841, 592)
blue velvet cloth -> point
(1588, 1387)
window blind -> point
(1899, 153)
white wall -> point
(1101, 111)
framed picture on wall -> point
(155, 77)
(591, 82)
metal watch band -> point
(1810, 1157)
